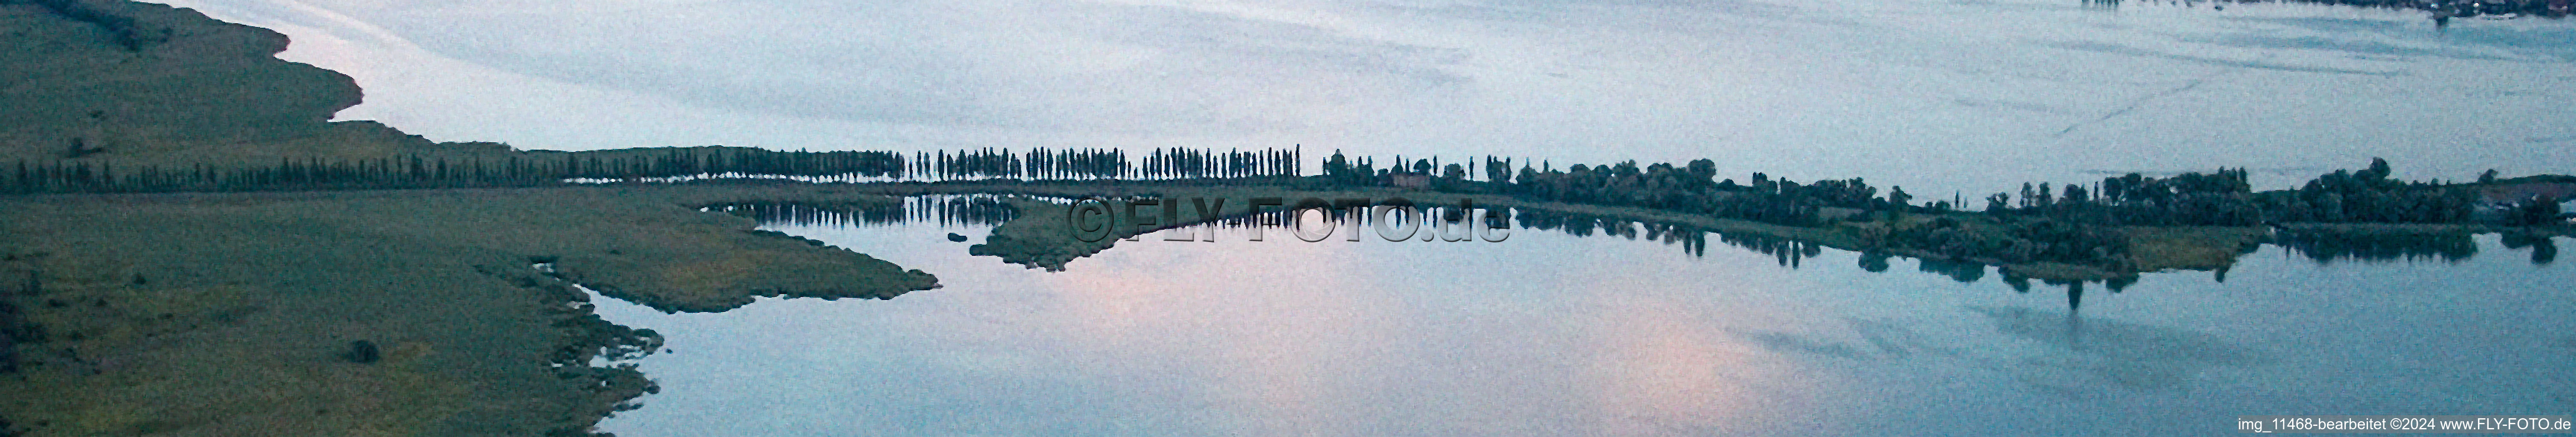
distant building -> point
(1408, 179)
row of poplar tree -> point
(642, 165)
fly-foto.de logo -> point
(1309, 219)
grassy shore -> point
(237, 314)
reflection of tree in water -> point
(1580, 225)
(1787, 251)
(2074, 289)
(1962, 271)
(2329, 246)
(2543, 249)
(943, 210)
(2321, 245)
(2088, 353)
(1692, 239)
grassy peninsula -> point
(322, 313)
(236, 314)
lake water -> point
(1933, 95)
(1550, 334)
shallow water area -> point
(1549, 333)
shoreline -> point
(147, 301)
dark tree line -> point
(1338, 169)
(410, 172)
(1167, 163)
(2220, 198)
(2072, 223)
(2370, 195)
(639, 165)
(1361, 171)
(696, 161)
(1039, 163)
(979, 210)
(1188, 163)
(2015, 242)
(1044, 163)
(1691, 187)
(2223, 198)
(1660, 186)
(531, 169)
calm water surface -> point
(1933, 95)
(1554, 334)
